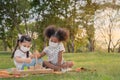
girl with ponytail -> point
(21, 55)
(55, 49)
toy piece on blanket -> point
(9, 74)
(4, 74)
(31, 67)
(80, 69)
(84, 69)
(37, 66)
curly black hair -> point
(50, 31)
(61, 33)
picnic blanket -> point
(13, 73)
(6, 74)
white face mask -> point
(24, 49)
(53, 44)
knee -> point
(45, 63)
(70, 64)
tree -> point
(86, 18)
(11, 17)
(68, 15)
(58, 13)
(108, 26)
(80, 40)
(5, 21)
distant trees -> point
(108, 24)
(29, 16)
(86, 19)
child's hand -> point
(28, 60)
(36, 54)
(31, 56)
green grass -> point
(107, 67)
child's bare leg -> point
(68, 64)
(50, 65)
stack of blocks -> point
(37, 66)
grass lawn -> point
(107, 67)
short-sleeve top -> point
(53, 52)
(19, 53)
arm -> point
(60, 58)
(22, 60)
(39, 55)
(31, 55)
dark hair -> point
(49, 31)
(22, 39)
(61, 33)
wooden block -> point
(38, 66)
(31, 67)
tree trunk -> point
(91, 45)
(119, 49)
(72, 44)
(4, 45)
(109, 48)
(25, 22)
(68, 47)
(45, 43)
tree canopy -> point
(33, 16)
